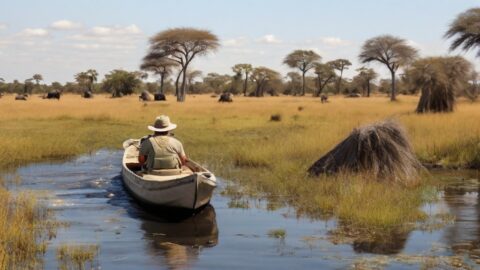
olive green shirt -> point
(166, 146)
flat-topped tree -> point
(303, 60)
(37, 78)
(391, 51)
(340, 65)
(159, 66)
(182, 45)
(245, 69)
(325, 74)
(465, 30)
(262, 76)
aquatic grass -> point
(76, 256)
(24, 229)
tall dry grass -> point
(238, 141)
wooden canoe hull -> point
(189, 192)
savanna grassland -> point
(262, 157)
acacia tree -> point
(325, 74)
(303, 60)
(37, 78)
(391, 51)
(366, 76)
(262, 76)
(340, 65)
(159, 66)
(465, 30)
(87, 78)
(243, 69)
(181, 45)
(120, 82)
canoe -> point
(190, 188)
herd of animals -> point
(145, 96)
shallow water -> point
(87, 193)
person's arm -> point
(142, 159)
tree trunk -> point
(303, 83)
(183, 90)
(176, 82)
(245, 85)
(368, 88)
(319, 90)
(162, 77)
(339, 83)
(393, 96)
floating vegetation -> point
(277, 233)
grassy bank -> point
(239, 142)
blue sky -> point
(61, 38)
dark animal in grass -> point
(87, 94)
(324, 98)
(53, 95)
(225, 97)
(1, 95)
(159, 97)
(381, 150)
(145, 96)
(353, 95)
(276, 117)
(21, 97)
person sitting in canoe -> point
(161, 151)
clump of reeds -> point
(76, 256)
(381, 150)
(276, 117)
(23, 231)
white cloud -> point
(270, 39)
(65, 25)
(3, 26)
(34, 32)
(106, 37)
(334, 41)
(115, 30)
(234, 42)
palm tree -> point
(92, 76)
(465, 30)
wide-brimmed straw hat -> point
(162, 124)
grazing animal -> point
(324, 98)
(21, 97)
(87, 94)
(53, 95)
(145, 96)
(159, 97)
(225, 97)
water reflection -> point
(177, 243)
(462, 199)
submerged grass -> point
(76, 257)
(239, 142)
